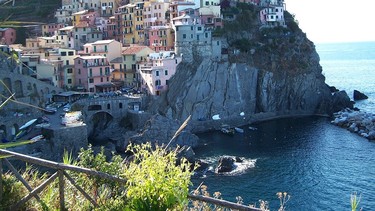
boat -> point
(238, 130)
(37, 138)
(253, 128)
(226, 129)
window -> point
(67, 62)
(184, 36)
(199, 28)
(157, 83)
(133, 57)
(120, 105)
(165, 72)
(108, 106)
(69, 81)
(157, 72)
(192, 28)
(91, 80)
(70, 70)
(101, 79)
(107, 78)
(79, 71)
(198, 37)
(101, 72)
(90, 73)
(70, 53)
(191, 36)
(92, 36)
(63, 53)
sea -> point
(317, 164)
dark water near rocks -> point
(317, 163)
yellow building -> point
(130, 18)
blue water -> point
(317, 163)
(350, 66)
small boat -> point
(238, 130)
(253, 128)
(37, 138)
(226, 129)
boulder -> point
(226, 164)
(341, 100)
(357, 95)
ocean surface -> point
(318, 164)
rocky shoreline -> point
(359, 122)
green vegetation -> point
(354, 201)
(155, 182)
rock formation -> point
(277, 74)
(358, 122)
(357, 95)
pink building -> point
(92, 73)
(7, 36)
(161, 38)
(156, 72)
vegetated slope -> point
(29, 10)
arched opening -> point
(120, 105)
(101, 121)
(108, 106)
(8, 86)
(94, 108)
(3, 132)
(18, 88)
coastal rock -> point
(357, 95)
(341, 100)
(159, 130)
(358, 122)
(226, 164)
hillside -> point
(29, 10)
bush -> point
(154, 181)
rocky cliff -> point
(268, 72)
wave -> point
(239, 167)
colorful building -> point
(110, 49)
(7, 36)
(132, 56)
(51, 29)
(161, 38)
(84, 33)
(157, 70)
(92, 73)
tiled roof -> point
(133, 49)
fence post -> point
(1, 179)
(61, 189)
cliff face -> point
(212, 88)
(272, 71)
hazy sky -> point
(335, 20)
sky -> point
(327, 21)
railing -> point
(60, 173)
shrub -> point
(154, 181)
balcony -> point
(96, 64)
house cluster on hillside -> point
(106, 45)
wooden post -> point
(1, 179)
(61, 190)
